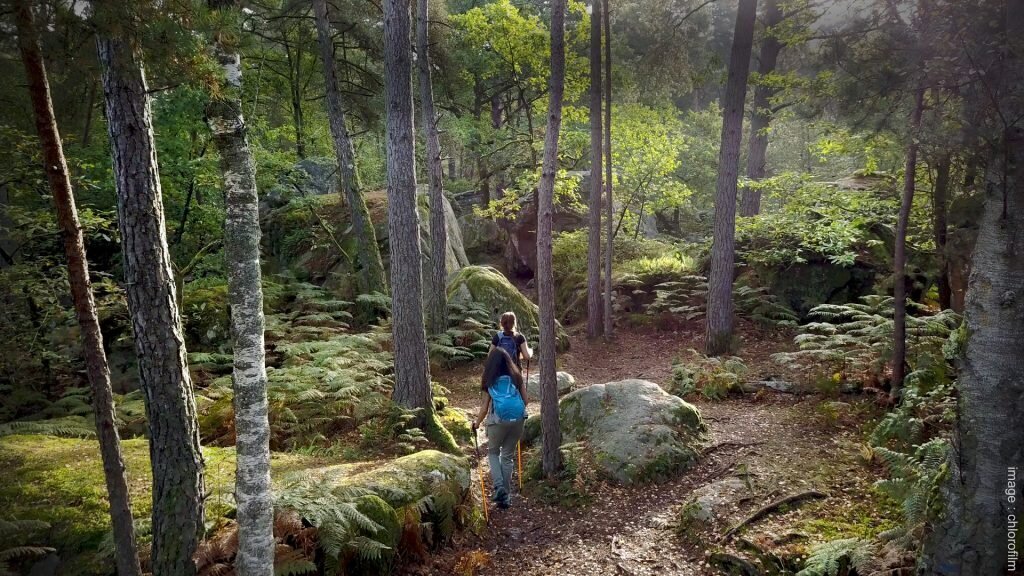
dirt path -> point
(776, 444)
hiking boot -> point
(505, 502)
(500, 495)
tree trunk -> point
(594, 303)
(412, 373)
(989, 440)
(253, 497)
(761, 115)
(368, 264)
(609, 235)
(899, 291)
(437, 300)
(718, 337)
(126, 551)
(940, 202)
(551, 456)
(178, 486)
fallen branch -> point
(768, 509)
(730, 444)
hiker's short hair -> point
(508, 322)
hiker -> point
(503, 414)
(510, 340)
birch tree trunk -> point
(761, 115)
(126, 550)
(719, 334)
(253, 497)
(899, 291)
(412, 373)
(551, 455)
(178, 485)
(594, 304)
(368, 264)
(609, 234)
(437, 300)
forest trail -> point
(776, 444)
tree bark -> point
(126, 550)
(719, 336)
(989, 440)
(899, 291)
(594, 303)
(253, 497)
(437, 299)
(761, 115)
(412, 373)
(940, 207)
(609, 235)
(368, 264)
(178, 485)
(551, 456)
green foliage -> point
(855, 340)
(915, 483)
(468, 337)
(839, 558)
(17, 550)
(715, 378)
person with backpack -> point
(510, 340)
(503, 414)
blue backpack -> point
(507, 404)
(509, 344)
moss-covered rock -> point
(455, 252)
(486, 286)
(803, 286)
(633, 430)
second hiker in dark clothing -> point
(511, 341)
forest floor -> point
(776, 444)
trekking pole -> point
(519, 445)
(480, 472)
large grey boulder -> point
(455, 251)
(632, 429)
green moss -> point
(439, 435)
(456, 423)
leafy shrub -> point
(855, 340)
(715, 378)
(17, 552)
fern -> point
(18, 547)
(839, 558)
(915, 483)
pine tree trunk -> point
(761, 116)
(369, 267)
(437, 300)
(253, 497)
(178, 485)
(719, 336)
(594, 303)
(412, 373)
(126, 551)
(940, 203)
(899, 291)
(551, 456)
(609, 235)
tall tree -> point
(899, 290)
(97, 370)
(178, 484)
(718, 338)
(594, 303)
(940, 227)
(412, 373)
(609, 233)
(551, 456)
(368, 263)
(253, 497)
(437, 300)
(761, 115)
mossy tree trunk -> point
(437, 302)
(719, 334)
(412, 372)
(126, 550)
(551, 456)
(178, 485)
(594, 305)
(609, 234)
(253, 497)
(369, 267)
(761, 115)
